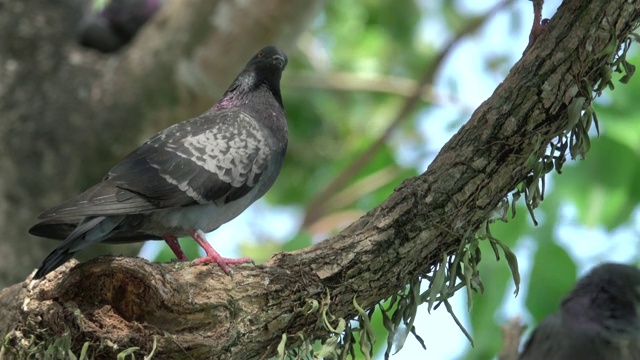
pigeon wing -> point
(193, 162)
(104, 198)
(215, 158)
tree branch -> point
(203, 313)
(350, 82)
(511, 335)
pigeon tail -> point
(90, 231)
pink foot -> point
(172, 241)
(538, 23)
(213, 256)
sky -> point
(474, 84)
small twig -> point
(317, 205)
(511, 334)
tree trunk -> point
(69, 113)
(202, 313)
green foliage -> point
(497, 277)
(552, 276)
(604, 188)
(608, 192)
(330, 127)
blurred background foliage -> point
(349, 76)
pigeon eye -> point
(261, 53)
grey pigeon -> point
(598, 319)
(188, 179)
(116, 24)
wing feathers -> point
(101, 200)
(178, 168)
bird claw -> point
(539, 24)
(223, 262)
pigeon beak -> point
(279, 60)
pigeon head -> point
(263, 71)
(270, 60)
(265, 68)
(609, 294)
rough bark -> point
(69, 113)
(203, 313)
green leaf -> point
(553, 275)
(486, 333)
(604, 188)
(123, 354)
(496, 279)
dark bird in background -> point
(598, 319)
(188, 179)
(113, 26)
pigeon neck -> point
(248, 85)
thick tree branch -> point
(201, 312)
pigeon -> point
(186, 180)
(598, 319)
(113, 26)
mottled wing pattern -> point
(202, 160)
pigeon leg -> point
(173, 243)
(213, 256)
(538, 26)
